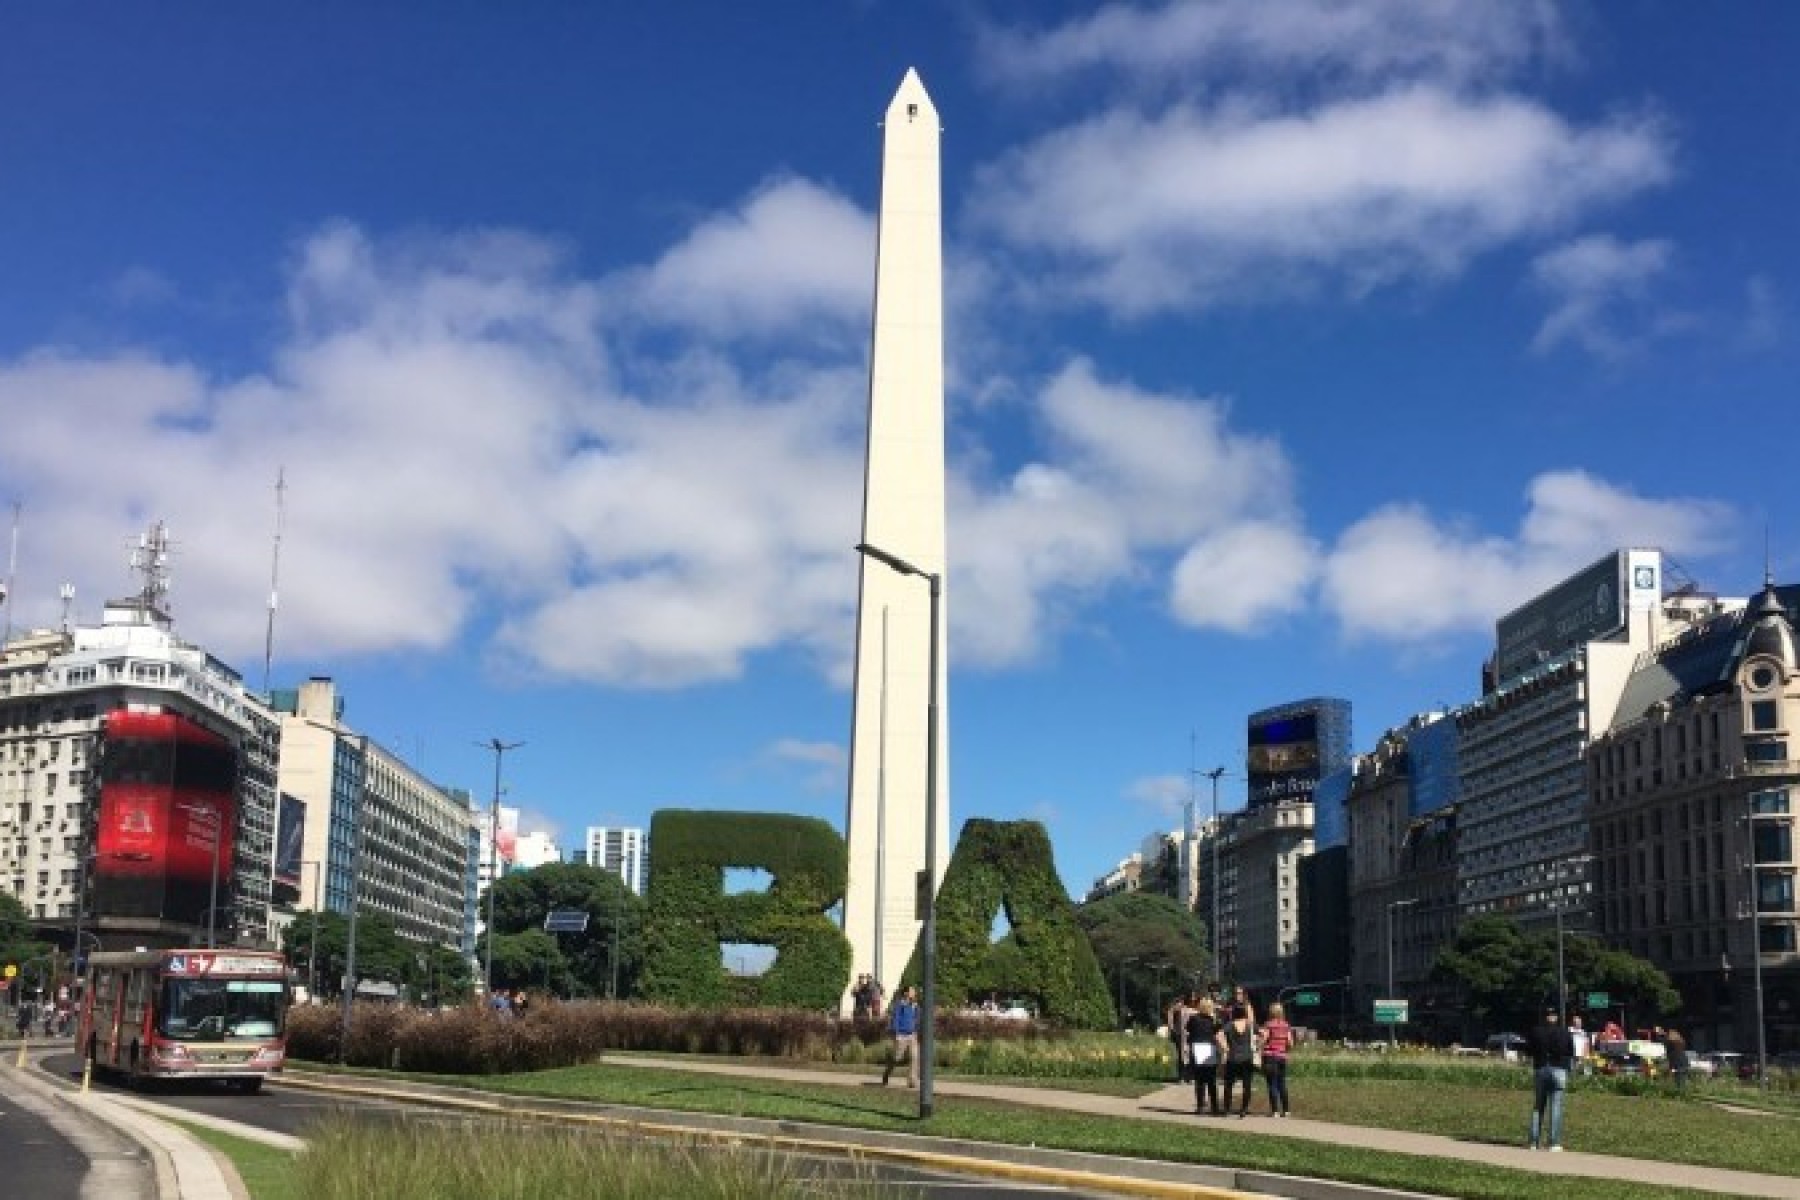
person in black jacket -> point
(1552, 1058)
(1204, 1053)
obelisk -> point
(903, 515)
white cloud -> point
(1241, 201)
(796, 259)
(1130, 476)
(824, 765)
(1599, 288)
(1164, 795)
(1241, 576)
(1402, 574)
(1183, 40)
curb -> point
(1109, 1173)
(184, 1168)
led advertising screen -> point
(167, 810)
(290, 840)
(1283, 760)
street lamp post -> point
(1562, 981)
(1124, 1018)
(1392, 905)
(1159, 968)
(928, 934)
(349, 997)
(312, 950)
(212, 911)
(1759, 804)
(1218, 971)
(487, 972)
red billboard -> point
(168, 789)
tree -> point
(1147, 944)
(615, 922)
(17, 945)
(1508, 975)
(381, 954)
(530, 961)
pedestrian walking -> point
(1178, 1017)
(903, 1022)
(1240, 1058)
(23, 1018)
(1204, 1053)
(1552, 1057)
(1675, 1049)
(1277, 1040)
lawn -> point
(895, 1110)
(267, 1172)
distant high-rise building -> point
(621, 850)
(1289, 749)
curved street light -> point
(928, 934)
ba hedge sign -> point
(997, 866)
(1390, 1012)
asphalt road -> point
(40, 1162)
(295, 1112)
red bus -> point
(186, 1014)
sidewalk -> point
(1172, 1104)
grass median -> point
(894, 1110)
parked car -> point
(1507, 1045)
(1716, 1064)
(1615, 1059)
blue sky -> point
(1289, 344)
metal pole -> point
(1392, 905)
(927, 1038)
(1562, 980)
(312, 951)
(350, 940)
(1217, 940)
(499, 748)
(1762, 1049)
(212, 913)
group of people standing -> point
(1221, 1038)
(866, 997)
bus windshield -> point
(213, 1010)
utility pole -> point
(499, 748)
(1218, 969)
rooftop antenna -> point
(150, 559)
(12, 571)
(274, 574)
(67, 592)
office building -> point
(135, 769)
(388, 839)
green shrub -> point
(690, 916)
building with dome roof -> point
(1693, 791)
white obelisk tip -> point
(912, 100)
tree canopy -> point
(432, 974)
(1149, 945)
(17, 945)
(1508, 975)
(582, 961)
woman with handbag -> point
(1204, 1052)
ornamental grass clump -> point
(409, 1160)
(475, 1040)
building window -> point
(1775, 939)
(1765, 752)
(1765, 715)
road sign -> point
(567, 920)
(1390, 1012)
(1599, 1000)
(1306, 999)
